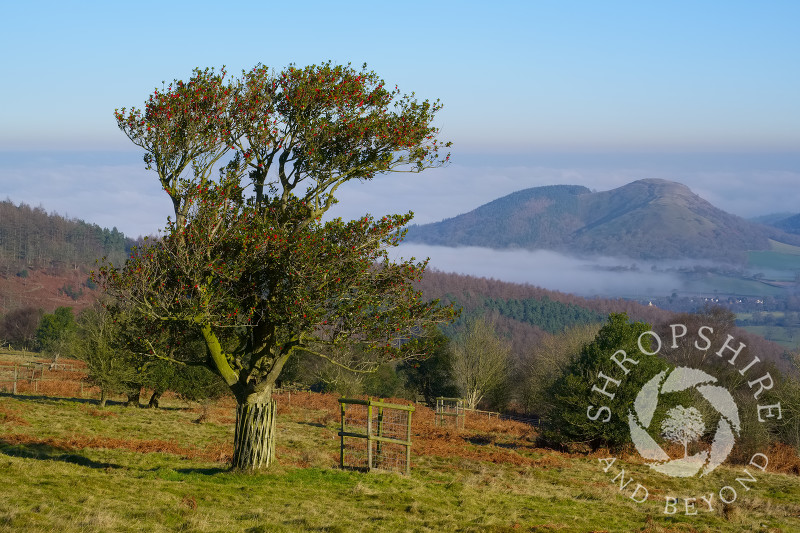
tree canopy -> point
(56, 331)
(300, 132)
(247, 261)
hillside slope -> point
(45, 258)
(477, 296)
(647, 219)
(790, 224)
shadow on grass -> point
(480, 440)
(46, 452)
(206, 471)
(87, 401)
(314, 424)
(42, 399)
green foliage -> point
(384, 382)
(193, 383)
(110, 363)
(56, 331)
(544, 313)
(567, 419)
(431, 376)
(789, 394)
(322, 375)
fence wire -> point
(375, 435)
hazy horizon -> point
(113, 189)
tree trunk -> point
(153, 403)
(254, 439)
(103, 398)
(473, 398)
(133, 398)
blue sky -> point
(535, 93)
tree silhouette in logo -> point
(683, 426)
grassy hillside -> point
(69, 467)
(780, 256)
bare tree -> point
(547, 361)
(480, 360)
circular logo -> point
(683, 425)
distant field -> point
(781, 257)
(773, 314)
(69, 467)
(784, 248)
(789, 338)
(731, 285)
(773, 260)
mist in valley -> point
(586, 276)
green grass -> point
(784, 248)
(49, 485)
(788, 337)
(773, 260)
(781, 256)
(732, 285)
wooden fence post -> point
(375, 458)
(379, 444)
(15, 378)
(341, 451)
(408, 448)
(369, 434)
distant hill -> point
(770, 218)
(45, 258)
(526, 313)
(648, 219)
(32, 238)
(790, 224)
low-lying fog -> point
(596, 276)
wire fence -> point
(68, 378)
(37, 377)
(452, 412)
(375, 435)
